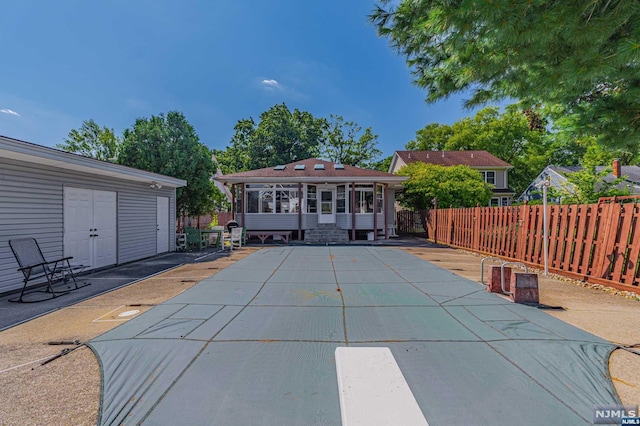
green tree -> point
(433, 137)
(587, 185)
(344, 143)
(94, 141)
(508, 136)
(382, 165)
(578, 59)
(280, 137)
(169, 145)
(453, 186)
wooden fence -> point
(410, 222)
(203, 221)
(598, 243)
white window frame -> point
(485, 176)
(264, 190)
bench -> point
(263, 235)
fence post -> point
(435, 220)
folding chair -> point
(40, 272)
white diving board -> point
(373, 390)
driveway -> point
(256, 343)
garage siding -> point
(31, 205)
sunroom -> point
(316, 199)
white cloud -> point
(8, 111)
(271, 84)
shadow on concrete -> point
(102, 281)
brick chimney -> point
(617, 170)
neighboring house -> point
(494, 170)
(100, 213)
(320, 201)
(557, 177)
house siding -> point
(31, 205)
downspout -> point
(244, 224)
(233, 202)
(353, 211)
(299, 211)
(375, 211)
(385, 191)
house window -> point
(379, 199)
(266, 201)
(272, 198)
(252, 202)
(340, 199)
(364, 199)
(312, 202)
(495, 202)
(489, 177)
(505, 201)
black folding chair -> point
(40, 272)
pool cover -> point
(254, 345)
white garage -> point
(100, 213)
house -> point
(319, 201)
(100, 213)
(557, 177)
(494, 170)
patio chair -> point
(40, 272)
(195, 239)
(235, 237)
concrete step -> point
(328, 233)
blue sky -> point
(216, 61)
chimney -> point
(617, 170)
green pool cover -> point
(254, 345)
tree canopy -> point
(577, 59)
(282, 136)
(342, 144)
(169, 145)
(453, 186)
(94, 141)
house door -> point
(90, 231)
(162, 213)
(327, 210)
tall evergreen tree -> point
(575, 58)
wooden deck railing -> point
(598, 243)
